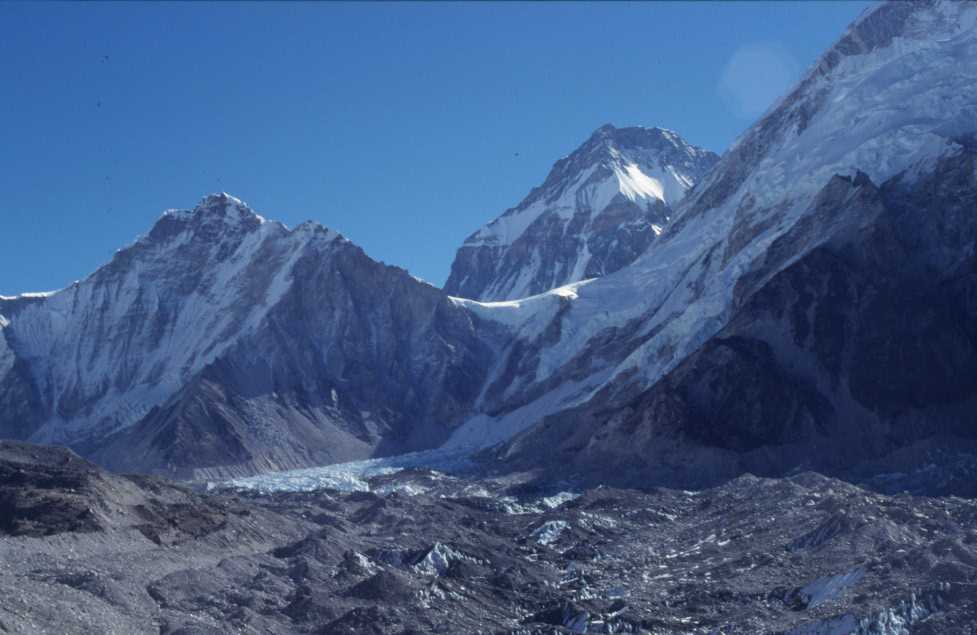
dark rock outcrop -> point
(863, 346)
(458, 556)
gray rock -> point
(229, 345)
(583, 221)
(858, 350)
(753, 555)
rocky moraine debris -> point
(425, 552)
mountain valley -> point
(667, 392)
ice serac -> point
(222, 343)
(812, 302)
(598, 210)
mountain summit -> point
(224, 341)
(598, 210)
(812, 304)
(807, 316)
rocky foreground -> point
(82, 550)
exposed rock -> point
(599, 209)
(754, 555)
(229, 345)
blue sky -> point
(404, 126)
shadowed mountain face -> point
(229, 343)
(808, 304)
(865, 345)
(771, 397)
(811, 304)
(598, 210)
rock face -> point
(808, 312)
(226, 343)
(865, 345)
(48, 491)
(598, 210)
(809, 304)
(812, 302)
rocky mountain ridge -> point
(224, 345)
(762, 422)
(598, 209)
(221, 341)
(850, 217)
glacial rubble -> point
(422, 551)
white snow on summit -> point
(586, 219)
(891, 97)
(639, 185)
(107, 349)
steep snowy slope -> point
(221, 340)
(800, 291)
(894, 102)
(107, 349)
(597, 211)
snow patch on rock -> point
(437, 561)
(550, 531)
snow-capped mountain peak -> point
(220, 211)
(224, 341)
(238, 344)
(161, 310)
(219, 206)
(872, 155)
(599, 208)
(894, 89)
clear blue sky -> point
(403, 126)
